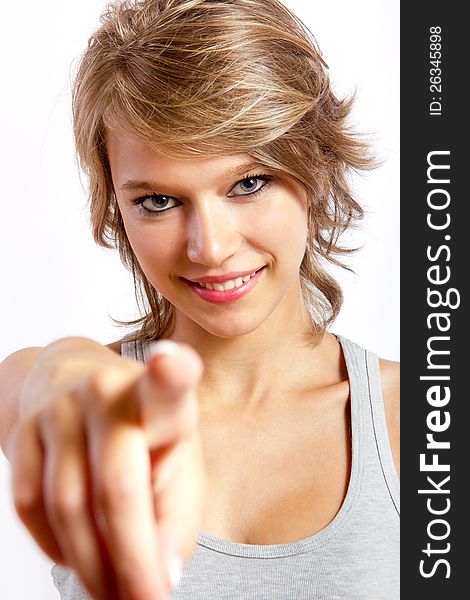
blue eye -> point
(252, 185)
(155, 203)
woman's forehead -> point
(129, 152)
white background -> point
(55, 282)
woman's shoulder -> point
(115, 346)
(390, 375)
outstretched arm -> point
(105, 452)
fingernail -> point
(162, 348)
(176, 570)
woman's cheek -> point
(158, 249)
(282, 228)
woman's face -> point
(196, 224)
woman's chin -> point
(229, 327)
(230, 330)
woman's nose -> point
(212, 235)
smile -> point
(227, 285)
(227, 291)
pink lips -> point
(223, 278)
(216, 297)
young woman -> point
(231, 443)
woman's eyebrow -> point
(242, 169)
(142, 184)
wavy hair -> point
(212, 77)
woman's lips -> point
(222, 297)
(223, 278)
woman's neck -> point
(259, 365)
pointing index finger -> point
(168, 394)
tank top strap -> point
(368, 411)
(135, 350)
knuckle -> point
(65, 506)
(56, 414)
(95, 385)
(91, 393)
(26, 499)
(115, 491)
(101, 387)
(53, 414)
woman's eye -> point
(155, 203)
(251, 185)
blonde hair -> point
(212, 77)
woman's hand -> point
(107, 468)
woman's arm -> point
(13, 371)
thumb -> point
(168, 393)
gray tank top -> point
(355, 557)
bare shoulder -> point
(390, 375)
(13, 371)
(115, 346)
(19, 361)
